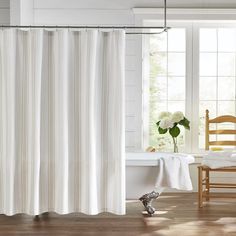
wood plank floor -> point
(177, 215)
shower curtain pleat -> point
(62, 121)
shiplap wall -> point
(4, 12)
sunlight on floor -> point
(189, 228)
(170, 196)
(194, 228)
(154, 221)
(228, 224)
(132, 201)
(156, 213)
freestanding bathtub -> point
(141, 172)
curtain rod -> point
(83, 27)
(164, 29)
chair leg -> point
(207, 185)
(200, 199)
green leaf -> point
(158, 123)
(175, 131)
(162, 131)
(185, 122)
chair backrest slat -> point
(222, 131)
(223, 119)
(216, 120)
(225, 143)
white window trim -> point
(192, 20)
(225, 14)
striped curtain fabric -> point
(62, 121)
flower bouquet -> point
(170, 122)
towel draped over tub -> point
(173, 171)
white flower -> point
(166, 123)
(164, 114)
(177, 116)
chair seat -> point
(204, 183)
(226, 169)
(204, 172)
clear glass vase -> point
(175, 145)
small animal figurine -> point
(147, 199)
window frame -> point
(192, 102)
(196, 53)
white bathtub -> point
(141, 172)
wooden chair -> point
(204, 183)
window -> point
(167, 81)
(216, 75)
(191, 69)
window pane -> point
(158, 62)
(226, 64)
(225, 138)
(208, 40)
(211, 106)
(162, 141)
(208, 65)
(204, 92)
(158, 88)
(176, 40)
(226, 88)
(226, 108)
(176, 106)
(225, 126)
(176, 64)
(158, 42)
(155, 139)
(155, 107)
(226, 40)
(176, 88)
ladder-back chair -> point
(204, 183)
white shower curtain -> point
(61, 121)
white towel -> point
(214, 164)
(219, 154)
(216, 160)
(173, 171)
(233, 155)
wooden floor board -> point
(177, 215)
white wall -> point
(4, 12)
